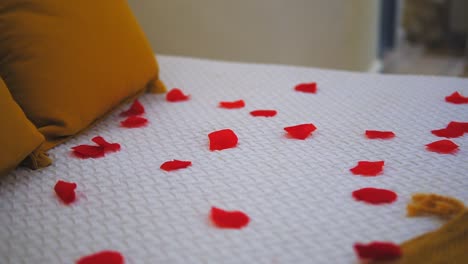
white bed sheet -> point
(297, 193)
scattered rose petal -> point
(134, 121)
(368, 168)
(306, 87)
(176, 95)
(300, 131)
(444, 146)
(456, 98)
(448, 132)
(453, 130)
(378, 251)
(88, 151)
(374, 134)
(232, 105)
(175, 165)
(108, 147)
(228, 219)
(459, 125)
(222, 139)
(264, 113)
(135, 109)
(374, 195)
(103, 257)
(65, 191)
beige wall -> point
(323, 33)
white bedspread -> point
(297, 193)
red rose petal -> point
(135, 109)
(108, 147)
(368, 168)
(175, 165)
(448, 132)
(228, 219)
(463, 126)
(88, 151)
(103, 257)
(374, 134)
(453, 130)
(264, 113)
(300, 131)
(134, 121)
(222, 139)
(232, 105)
(374, 195)
(176, 95)
(456, 98)
(378, 251)
(65, 191)
(306, 87)
(444, 146)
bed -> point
(296, 192)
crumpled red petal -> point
(228, 219)
(135, 109)
(103, 257)
(375, 134)
(306, 87)
(88, 151)
(300, 131)
(368, 168)
(176, 95)
(378, 251)
(456, 98)
(375, 195)
(453, 130)
(264, 113)
(232, 105)
(108, 147)
(463, 126)
(175, 165)
(444, 146)
(65, 191)
(222, 139)
(448, 132)
(134, 121)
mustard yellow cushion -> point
(67, 63)
(18, 136)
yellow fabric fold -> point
(37, 159)
(156, 87)
(434, 204)
(18, 136)
(446, 245)
(69, 63)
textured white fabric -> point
(297, 193)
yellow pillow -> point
(67, 63)
(18, 136)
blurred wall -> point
(458, 16)
(338, 34)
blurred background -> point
(390, 36)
